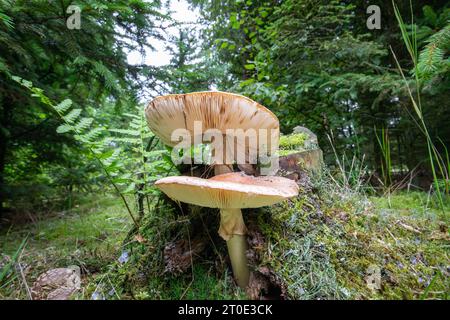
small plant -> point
(104, 154)
(144, 161)
(437, 163)
(386, 164)
(133, 166)
(6, 270)
(350, 172)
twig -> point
(407, 227)
(24, 280)
(212, 242)
(192, 261)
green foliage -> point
(386, 165)
(315, 63)
(144, 159)
(292, 141)
(134, 167)
(89, 66)
(433, 59)
(324, 245)
(106, 156)
(73, 122)
(437, 164)
(190, 68)
(89, 235)
(5, 269)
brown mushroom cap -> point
(229, 191)
(215, 109)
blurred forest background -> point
(313, 63)
(73, 132)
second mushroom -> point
(231, 192)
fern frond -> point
(135, 141)
(126, 131)
(432, 58)
(92, 135)
(103, 72)
(110, 156)
(155, 153)
(132, 115)
(136, 125)
(64, 128)
(63, 106)
(83, 124)
(72, 116)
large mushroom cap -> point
(215, 110)
(229, 191)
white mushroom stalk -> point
(230, 193)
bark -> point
(3, 147)
(4, 124)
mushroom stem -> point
(233, 230)
(237, 246)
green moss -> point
(324, 247)
(321, 245)
(202, 284)
(282, 153)
(90, 236)
(293, 141)
(144, 276)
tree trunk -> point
(3, 143)
(4, 122)
(140, 196)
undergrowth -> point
(328, 243)
(325, 244)
(89, 236)
(340, 246)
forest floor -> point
(91, 236)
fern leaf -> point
(136, 125)
(92, 135)
(63, 106)
(126, 131)
(72, 116)
(64, 128)
(131, 115)
(131, 187)
(83, 124)
(134, 141)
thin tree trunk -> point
(3, 143)
(6, 107)
(4, 121)
(140, 196)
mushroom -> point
(215, 110)
(227, 191)
(231, 192)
